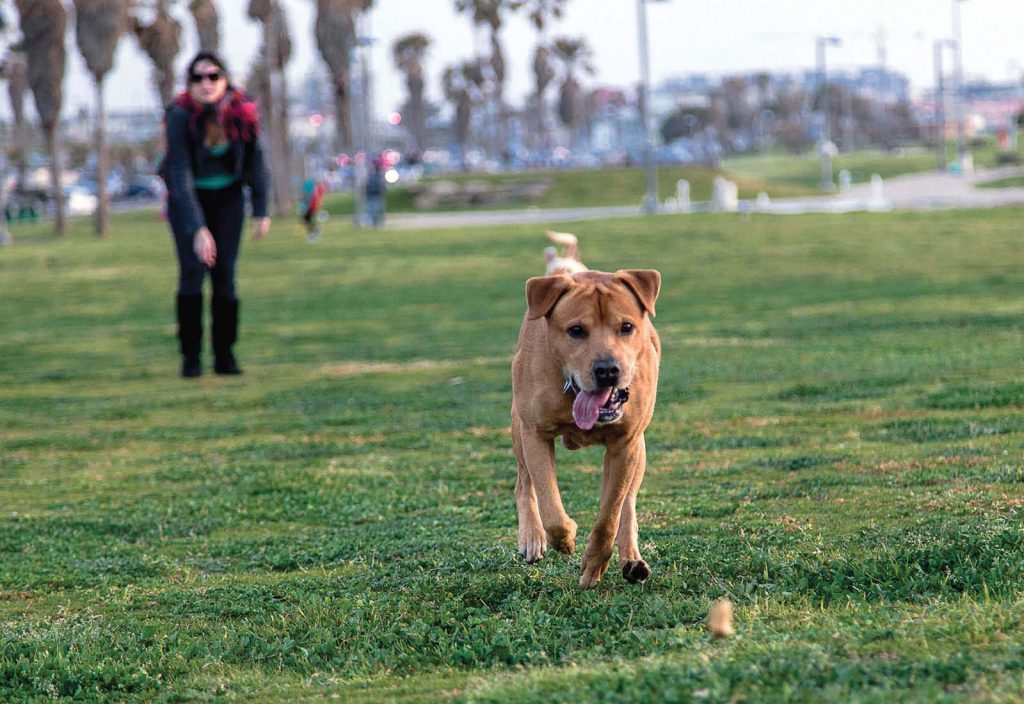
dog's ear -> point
(543, 292)
(645, 285)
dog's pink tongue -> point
(587, 407)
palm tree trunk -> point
(277, 105)
(5, 236)
(102, 215)
(342, 110)
(60, 225)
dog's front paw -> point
(532, 545)
(595, 564)
(636, 571)
(563, 538)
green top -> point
(215, 181)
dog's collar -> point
(569, 384)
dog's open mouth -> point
(600, 406)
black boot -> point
(190, 334)
(225, 332)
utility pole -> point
(650, 168)
(883, 88)
(940, 101)
(364, 137)
(827, 148)
(958, 87)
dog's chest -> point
(574, 438)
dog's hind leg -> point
(542, 518)
(620, 468)
(634, 568)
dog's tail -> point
(563, 239)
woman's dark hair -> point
(210, 56)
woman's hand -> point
(260, 227)
(204, 247)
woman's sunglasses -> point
(211, 77)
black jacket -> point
(184, 159)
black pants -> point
(224, 211)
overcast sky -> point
(713, 36)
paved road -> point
(934, 190)
(483, 218)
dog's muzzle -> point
(598, 407)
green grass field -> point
(780, 175)
(804, 171)
(838, 447)
(1011, 182)
(594, 187)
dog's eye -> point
(628, 328)
(576, 332)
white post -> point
(683, 195)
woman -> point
(212, 150)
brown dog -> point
(585, 368)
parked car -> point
(78, 201)
(143, 188)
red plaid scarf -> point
(236, 113)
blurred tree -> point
(491, 14)
(541, 12)
(99, 25)
(408, 53)
(5, 236)
(336, 39)
(43, 24)
(204, 12)
(684, 122)
(161, 41)
(543, 74)
(575, 55)
(460, 87)
(736, 94)
(277, 50)
(15, 72)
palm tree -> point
(277, 50)
(336, 39)
(408, 53)
(15, 71)
(575, 55)
(543, 74)
(161, 40)
(490, 13)
(99, 25)
(43, 23)
(204, 12)
(461, 84)
(541, 12)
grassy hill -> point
(837, 448)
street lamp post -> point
(958, 83)
(940, 101)
(363, 122)
(650, 168)
(827, 148)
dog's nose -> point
(606, 373)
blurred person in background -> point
(375, 193)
